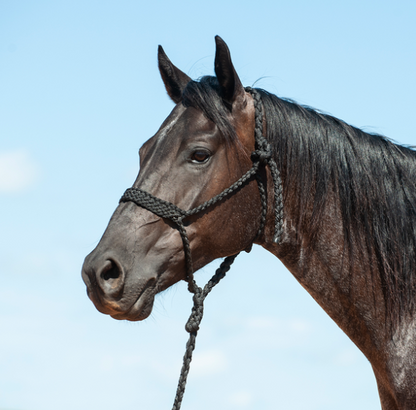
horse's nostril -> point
(110, 271)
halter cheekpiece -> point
(261, 157)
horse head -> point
(202, 147)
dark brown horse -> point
(349, 227)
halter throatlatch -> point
(261, 157)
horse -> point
(348, 226)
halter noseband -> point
(261, 157)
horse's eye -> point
(200, 156)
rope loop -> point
(263, 155)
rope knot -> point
(262, 155)
(192, 325)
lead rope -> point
(261, 156)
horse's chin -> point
(140, 310)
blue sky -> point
(79, 94)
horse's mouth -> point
(129, 306)
(140, 309)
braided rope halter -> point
(261, 157)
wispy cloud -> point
(347, 357)
(209, 362)
(269, 323)
(240, 399)
(18, 171)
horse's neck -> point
(342, 286)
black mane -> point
(373, 179)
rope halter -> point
(260, 157)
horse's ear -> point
(175, 80)
(230, 85)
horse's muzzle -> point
(105, 279)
